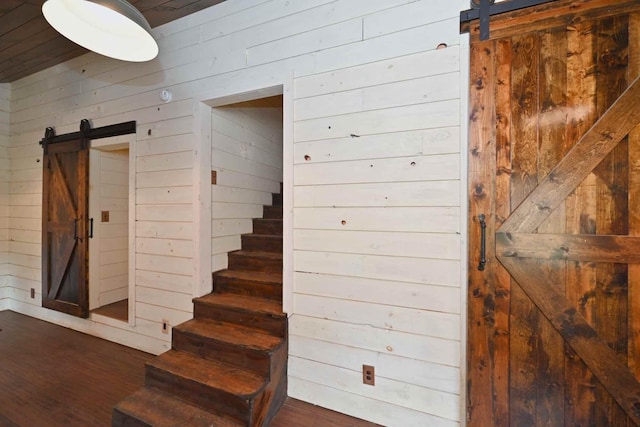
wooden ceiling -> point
(29, 44)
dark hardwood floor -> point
(117, 310)
(52, 376)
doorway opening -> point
(110, 215)
(246, 157)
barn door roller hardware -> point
(485, 9)
(87, 133)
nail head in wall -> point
(441, 46)
(214, 177)
(353, 135)
(307, 157)
(343, 222)
(149, 132)
(413, 163)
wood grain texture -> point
(525, 347)
(611, 128)
(555, 14)
(503, 58)
(552, 146)
(115, 371)
(570, 247)
(481, 375)
(580, 208)
(580, 245)
(634, 200)
(583, 339)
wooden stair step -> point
(262, 242)
(210, 385)
(272, 212)
(276, 199)
(253, 283)
(148, 407)
(250, 276)
(267, 226)
(248, 311)
(235, 345)
(270, 262)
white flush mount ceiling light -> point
(112, 28)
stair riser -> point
(276, 199)
(272, 212)
(239, 262)
(235, 355)
(121, 419)
(199, 394)
(252, 242)
(271, 227)
(272, 291)
(275, 326)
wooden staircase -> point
(228, 365)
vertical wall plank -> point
(580, 206)
(612, 208)
(481, 375)
(552, 147)
(503, 57)
(634, 200)
(524, 346)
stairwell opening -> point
(228, 365)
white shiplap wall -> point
(246, 153)
(376, 207)
(5, 92)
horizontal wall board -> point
(427, 297)
(402, 394)
(417, 245)
(377, 410)
(403, 219)
(419, 168)
(410, 371)
(428, 349)
(414, 270)
(434, 193)
(383, 316)
(420, 116)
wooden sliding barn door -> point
(64, 227)
(554, 164)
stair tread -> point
(213, 374)
(258, 254)
(244, 302)
(160, 410)
(254, 276)
(230, 333)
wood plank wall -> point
(377, 111)
(114, 234)
(5, 92)
(246, 153)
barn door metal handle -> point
(91, 228)
(483, 242)
(75, 229)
